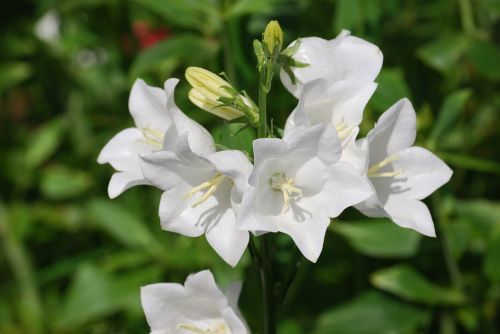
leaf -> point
(120, 224)
(188, 47)
(13, 73)
(491, 264)
(470, 162)
(234, 136)
(391, 88)
(59, 182)
(348, 15)
(407, 283)
(193, 14)
(451, 108)
(485, 56)
(379, 238)
(444, 53)
(372, 313)
(43, 143)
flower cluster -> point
(294, 184)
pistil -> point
(211, 185)
(281, 183)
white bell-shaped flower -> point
(343, 58)
(198, 306)
(401, 174)
(158, 123)
(201, 195)
(298, 184)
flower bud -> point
(273, 36)
(214, 107)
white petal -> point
(264, 148)
(345, 57)
(355, 152)
(372, 207)
(159, 304)
(199, 138)
(148, 107)
(163, 169)
(234, 164)
(411, 214)
(229, 242)
(346, 187)
(422, 172)
(235, 321)
(308, 235)
(248, 219)
(123, 150)
(394, 131)
(121, 181)
(203, 282)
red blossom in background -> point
(148, 36)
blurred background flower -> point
(72, 261)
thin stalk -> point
(466, 16)
(267, 281)
(262, 133)
(451, 263)
(227, 47)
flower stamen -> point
(217, 329)
(372, 171)
(281, 183)
(343, 129)
(152, 137)
(211, 185)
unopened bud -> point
(273, 36)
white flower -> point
(343, 58)
(298, 184)
(201, 194)
(47, 28)
(401, 174)
(197, 307)
(158, 123)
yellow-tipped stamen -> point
(152, 137)
(343, 129)
(281, 183)
(218, 329)
(211, 185)
(372, 171)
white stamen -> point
(281, 183)
(211, 185)
(343, 129)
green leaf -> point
(193, 14)
(187, 47)
(391, 87)
(13, 73)
(485, 56)
(372, 313)
(491, 264)
(444, 53)
(448, 113)
(59, 182)
(470, 162)
(407, 283)
(234, 136)
(379, 238)
(348, 15)
(43, 143)
(121, 224)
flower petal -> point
(345, 57)
(199, 138)
(123, 150)
(422, 171)
(147, 106)
(159, 304)
(411, 214)
(234, 164)
(121, 181)
(394, 131)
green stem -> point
(466, 16)
(262, 133)
(266, 276)
(451, 263)
(227, 47)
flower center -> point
(211, 186)
(152, 137)
(373, 170)
(280, 182)
(217, 328)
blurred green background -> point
(72, 261)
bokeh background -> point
(72, 261)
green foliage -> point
(73, 261)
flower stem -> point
(266, 276)
(262, 132)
